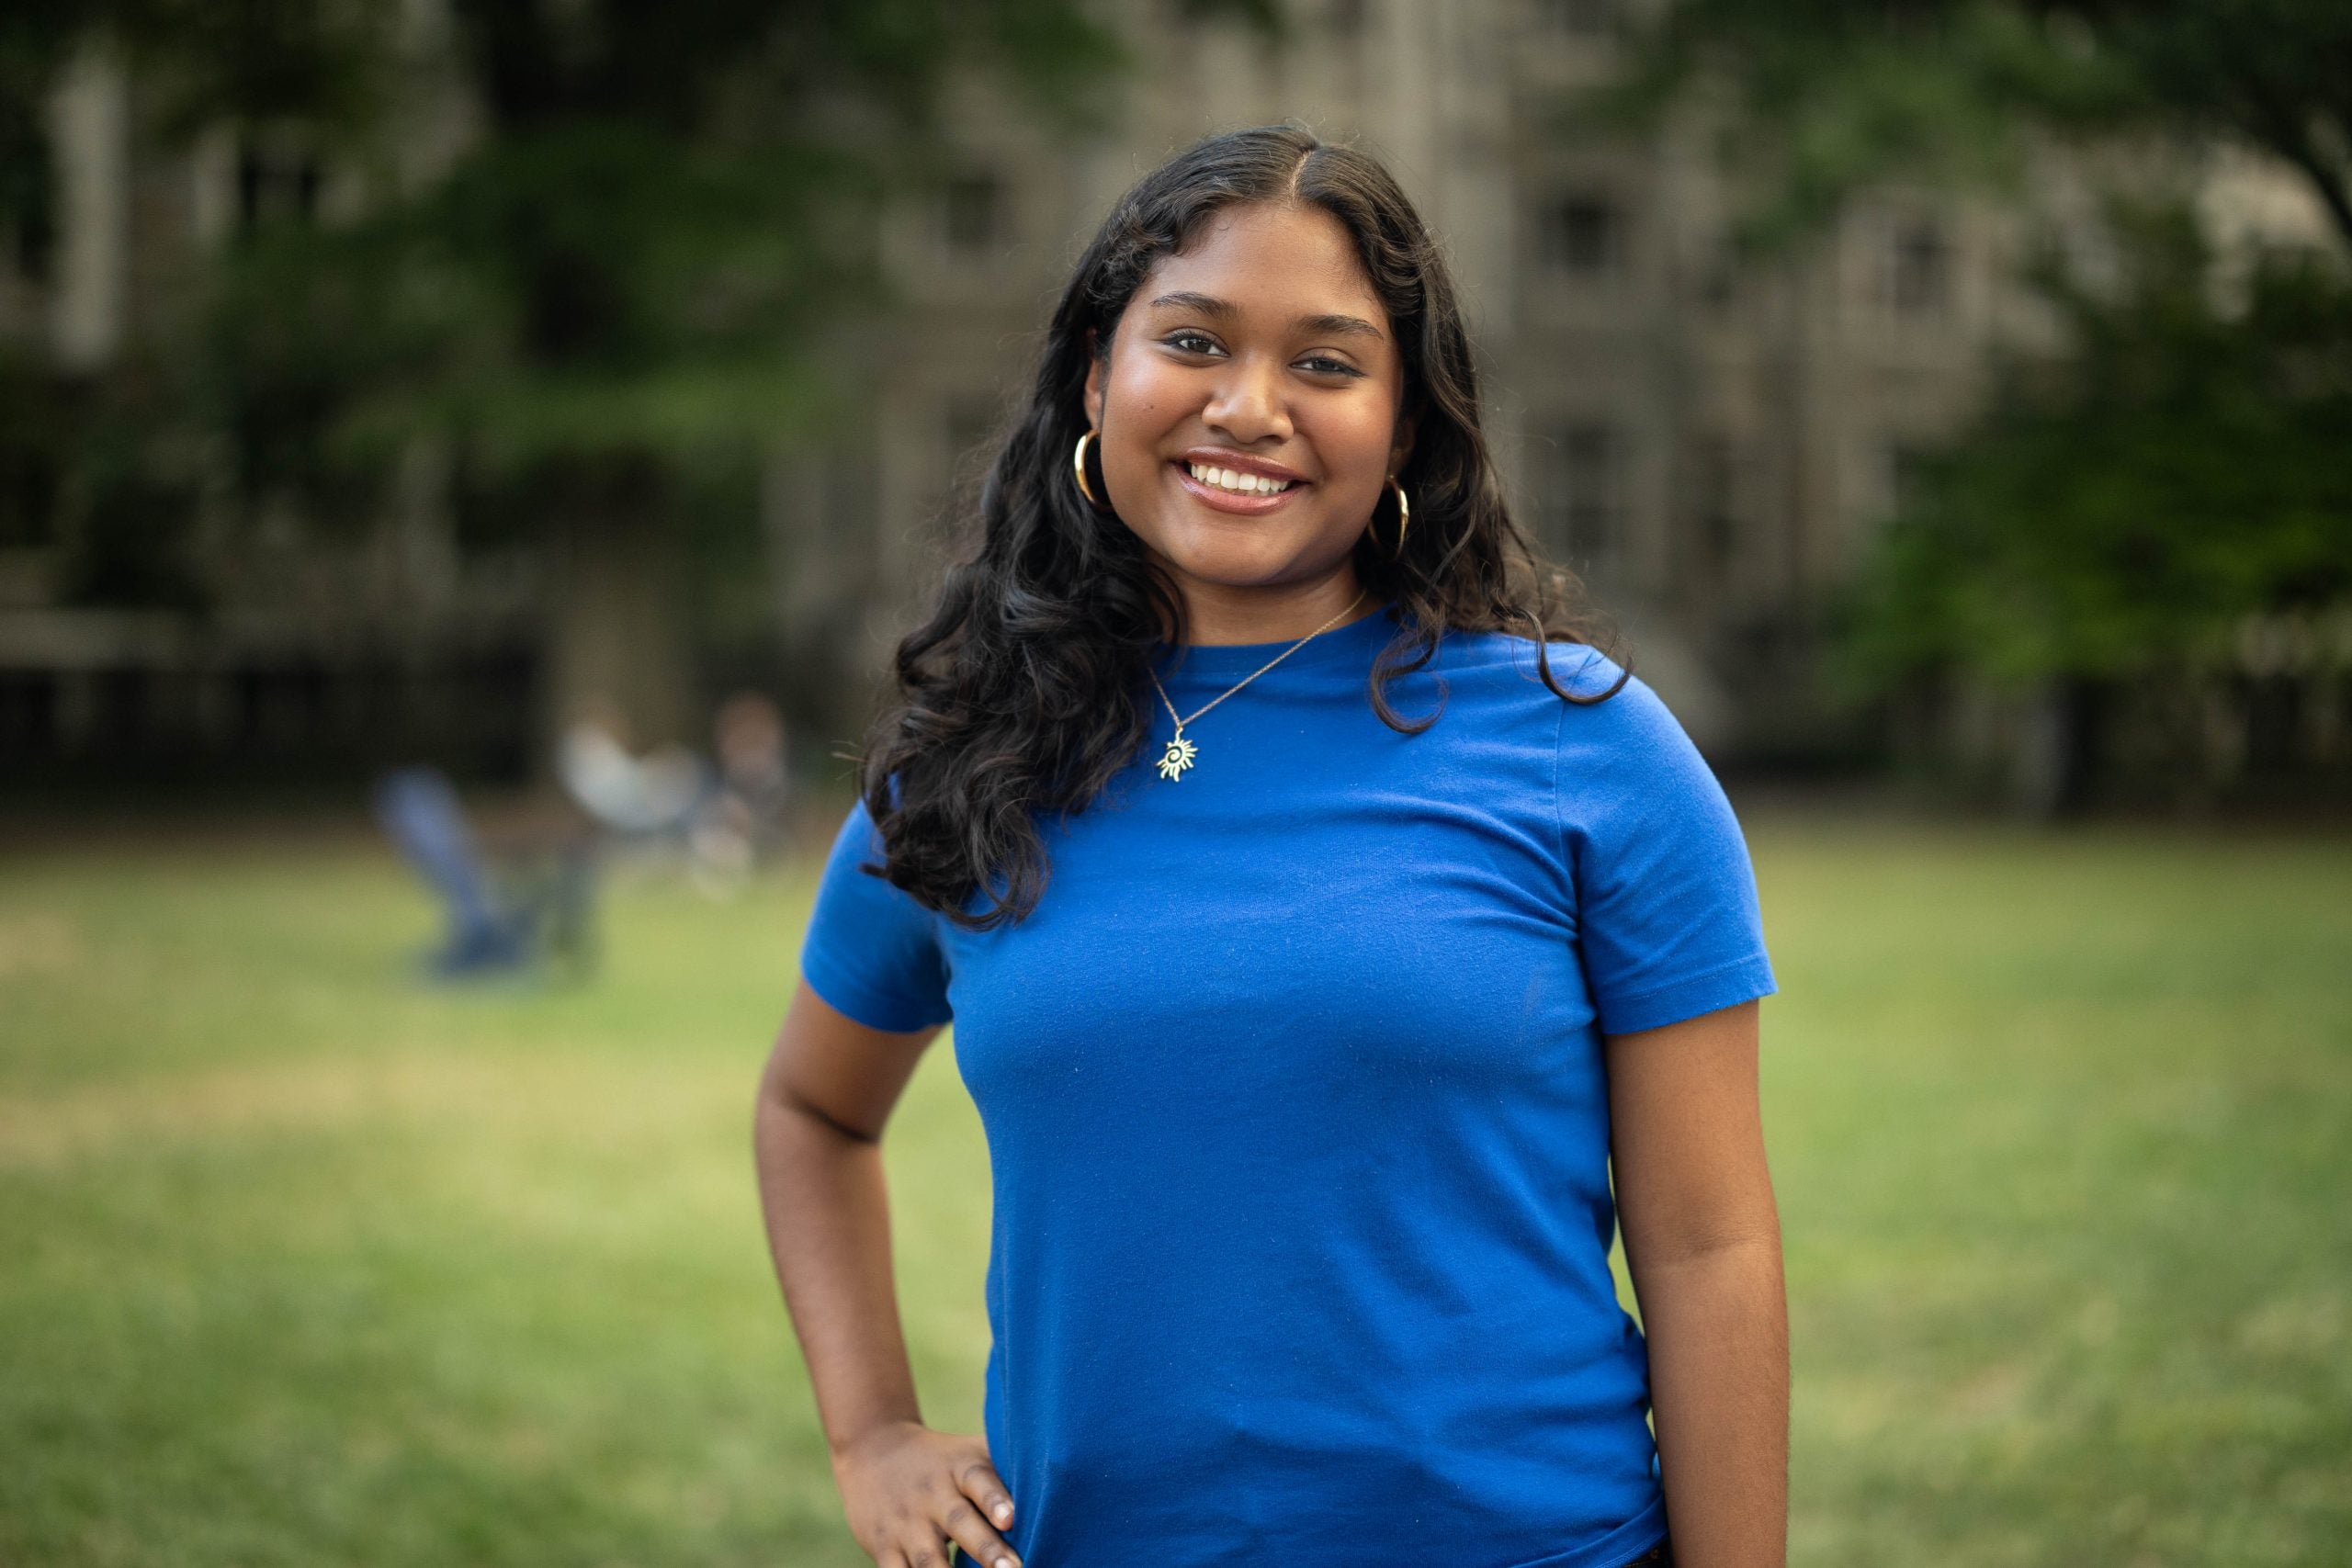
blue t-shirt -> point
(1296, 1114)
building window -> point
(1580, 19)
(1581, 503)
(1583, 235)
(1718, 276)
(1902, 478)
(972, 215)
(1714, 505)
(31, 242)
(272, 186)
(1914, 269)
(29, 716)
(30, 484)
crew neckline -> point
(1352, 642)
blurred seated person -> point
(722, 818)
(742, 824)
(652, 798)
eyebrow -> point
(1226, 311)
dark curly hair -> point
(1026, 688)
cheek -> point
(1146, 399)
(1353, 445)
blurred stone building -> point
(1707, 445)
(306, 649)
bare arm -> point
(1703, 1243)
(830, 1086)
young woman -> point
(1313, 948)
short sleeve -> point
(1668, 916)
(872, 951)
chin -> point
(1245, 563)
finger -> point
(926, 1550)
(968, 1530)
(980, 1546)
(980, 1482)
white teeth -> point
(1243, 484)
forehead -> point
(1276, 262)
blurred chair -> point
(506, 914)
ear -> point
(1401, 447)
(1094, 394)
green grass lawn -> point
(300, 1263)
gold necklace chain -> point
(1182, 752)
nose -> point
(1250, 403)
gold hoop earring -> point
(1404, 515)
(1078, 463)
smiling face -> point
(1249, 419)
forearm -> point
(1717, 1325)
(828, 1219)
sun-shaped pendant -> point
(1177, 758)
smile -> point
(1239, 482)
(1245, 495)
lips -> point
(1232, 502)
(1238, 462)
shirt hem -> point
(1741, 980)
(861, 1003)
(1616, 1549)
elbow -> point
(1699, 1232)
(782, 1112)
(1729, 1244)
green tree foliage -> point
(598, 249)
(665, 206)
(1819, 97)
(2121, 512)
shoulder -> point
(1503, 666)
(856, 846)
(1616, 743)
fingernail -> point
(1004, 1512)
(1004, 1563)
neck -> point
(1219, 617)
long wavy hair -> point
(1027, 686)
